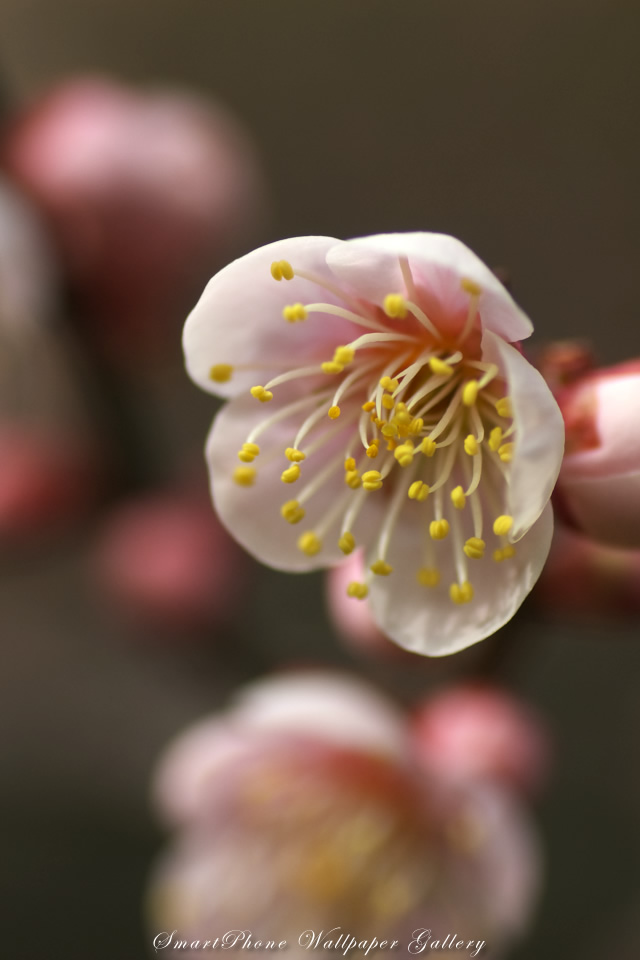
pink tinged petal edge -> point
(539, 435)
(606, 508)
(238, 319)
(336, 708)
(252, 514)
(426, 621)
(438, 262)
(616, 401)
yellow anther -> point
(474, 548)
(440, 368)
(291, 474)
(330, 366)
(502, 525)
(310, 543)
(388, 384)
(391, 444)
(415, 426)
(504, 407)
(350, 463)
(495, 439)
(369, 406)
(428, 447)
(387, 401)
(334, 413)
(372, 451)
(372, 480)
(438, 529)
(357, 590)
(458, 498)
(381, 568)
(292, 511)
(221, 372)
(470, 393)
(505, 452)
(244, 476)
(428, 577)
(508, 552)
(401, 417)
(498, 555)
(379, 422)
(471, 445)
(353, 479)
(295, 313)
(281, 270)
(347, 543)
(418, 490)
(461, 592)
(295, 456)
(389, 430)
(394, 306)
(248, 452)
(470, 287)
(344, 355)
(261, 394)
(404, 454)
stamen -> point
(334, 412)
(295, 456)
(347, 543)
(419, 491)
(471, 445)
(407, 276)
(448, 415)
(283, 413)
(474, 548)
(281, 270)
(440, 367)
(292, 512)
(309, 543)
(296, 374)
(294, 313)
(394, 306)
(261, 394)
(423, 318)
(502, 525)
(504, 407)
(244, 476)
(248, 452)
(461, 593)
(344, 314)
(291, 474)
(474, 292)
(372, 480)
(470, 392)
(357, 590)
(221, 372)
(458, 498)
(428, 576)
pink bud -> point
(146, 193)
(583, 579)
(47, 479)
(482, 733)
(351, 616)
(599, 484)
(166, 561)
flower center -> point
(422, 418)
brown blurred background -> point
(513, 126)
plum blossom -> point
(377, 400)
(306, 806)
(599, 484)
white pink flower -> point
(305, 805)
(377, 400)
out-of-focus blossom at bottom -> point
(144, 191)
(305, 808)
(167, 562)
(583, 579)
(481, 732)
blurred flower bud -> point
(353, 620)
(46, 481)
(146, 192)
(480, 732)
(305, 810)
(599, 484)
(583, 579)
(167, 562)
(563, 362)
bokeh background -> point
(510, 125)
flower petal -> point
(426, 621)
(252, 513)
(336, 708)
(238, 320)
(606, 507)
(539, 434)
(438, 263)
